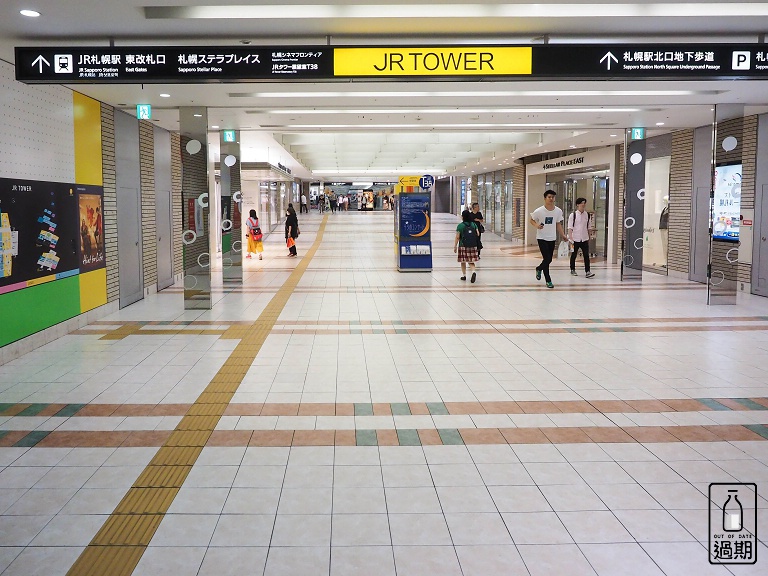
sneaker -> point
(249, 256)
(550, 285)
(473, 278)
(573, 273)
(260, 257)
(538, 274)
(463, 278)
(590, 274)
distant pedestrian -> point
(255, 236)
(548, 221)
(578, 235)
(303, 207)
(291, 230)
(465, 244)
(477, 218)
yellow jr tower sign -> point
(425, 61)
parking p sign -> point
(426, 182)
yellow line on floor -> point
(118, 547)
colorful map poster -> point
(40, 231)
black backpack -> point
(469, 235)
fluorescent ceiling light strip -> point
(473, 94)
(406, 10)
(429, 126)
(372, 171)
(452, 111)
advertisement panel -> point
(726, 211)
(48, 230)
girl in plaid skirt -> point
(465, 244)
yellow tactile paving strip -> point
(118, 546)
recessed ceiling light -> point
(165, 95)
(572, 146)
(659, 123)
(613, 135)
(214, 126)
(29, 13)
(198, 115)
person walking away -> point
(578, 235)
(291, 230)
(548, 221)
(255, 236)
(477, 218)
(303, 207)
(334, 203)
(321, 203)
(465, 244)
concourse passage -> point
(333, 416)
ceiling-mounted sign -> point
(144, 111)
(167, 64)
(441, 61)
(228, 135)
(199, 64)
(637, 134)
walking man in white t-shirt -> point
(303, 207)
(578, 234)
(548, 221)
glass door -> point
(508, 208)
(600, 202)
(497, 206)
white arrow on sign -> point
(40, 60)
(609, 56)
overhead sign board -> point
(425, 61)
(228, 135)
(199, 64)
(146, 64)
(637, 134)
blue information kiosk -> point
(413, 224)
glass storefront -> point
(656, 216)
(508, 207)
(497, 204)
(593, 187)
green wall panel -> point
(29, 310)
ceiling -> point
(376, 130)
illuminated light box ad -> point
(727, 202)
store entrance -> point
(592, 186)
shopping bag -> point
(290, 242)
(562, 251)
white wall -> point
(37, 135)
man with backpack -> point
(465, 244)
(578, 235)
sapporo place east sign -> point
(200, 64)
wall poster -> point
(48, 230)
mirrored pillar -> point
(634, 209)
(193, 128)
(231, 208)
(725, 203)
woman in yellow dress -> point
(255, 235)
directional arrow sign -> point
(609, 56)
(40, 60)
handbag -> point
(290, 242)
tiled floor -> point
(395, 424)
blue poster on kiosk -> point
(412, 232)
